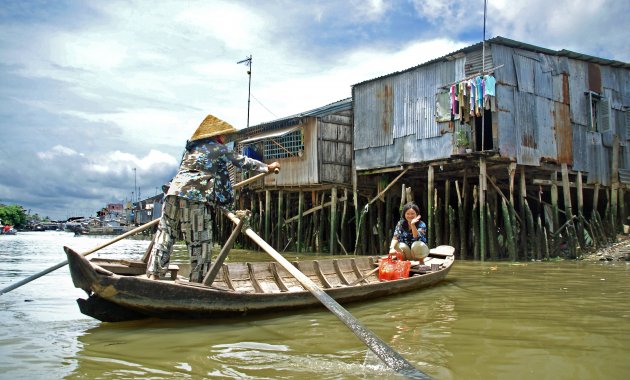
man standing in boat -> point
(202, 179)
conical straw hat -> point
(212, 126)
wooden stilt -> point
(524, 243)
(492, 236)
(531, 231)
(389, 227)
(438, 218)
(300, 236)
(614, 187)
(267, 215)
(447, 204)
(344, 212)
(568, 209)
(333, 221)
(279, 235)
(580, 211)
(430, 190)
(462, 223)
(509, 233)
(482, 208)
(466, 213)
(475, 221)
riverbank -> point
(619, 251)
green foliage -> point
(13, 215)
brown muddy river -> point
(493, 320)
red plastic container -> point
(393, 268)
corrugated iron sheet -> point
(564, 132)
(526, 126)
(580, 148)
(577, 88)
(547, 142)
(403, 105)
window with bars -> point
(289, 145)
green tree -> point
(13, 215)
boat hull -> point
(115, 297)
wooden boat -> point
(119, 289)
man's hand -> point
(274, 167)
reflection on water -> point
(561, 320)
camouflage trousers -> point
(193, 221)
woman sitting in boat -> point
(202, 179)
(410, 235)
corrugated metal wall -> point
(543, 112)
(335, 145)
(398, 106)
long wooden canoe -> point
(119, 289)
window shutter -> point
(603, 115)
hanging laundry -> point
(472, 91)
(489, 100)
(452, 100)
(490, 84)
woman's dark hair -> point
(408, 206)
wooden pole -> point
(614, 187)
(55, 267)
(279, 235)
(580, 205)
(333, 221)
(430, 191)
(216, 266)
(300, 236)
(566, 194)
(390, 357)
(475, 221)
(461, 221)
(321, 227)
(267, 215)
(482, 208)
(509, 233)
(466, 213)
(344, 229)
(525, 243)
(492, 237)
(447, 205)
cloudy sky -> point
(91, 90)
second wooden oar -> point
(387, 354)
(118, 238)
(55, 267)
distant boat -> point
(9, 231)
(119, 289)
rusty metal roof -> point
(329, 109)
(514, 44)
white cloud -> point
(117, 162)
(57, 150)
(124, 84)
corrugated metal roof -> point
(514, 44)
(332, 108)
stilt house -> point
(314, 149)
(464, 127)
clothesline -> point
(472, 76)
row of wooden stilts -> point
(486, 215)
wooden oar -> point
(387, 354)
(127, 234)
(55, 267)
